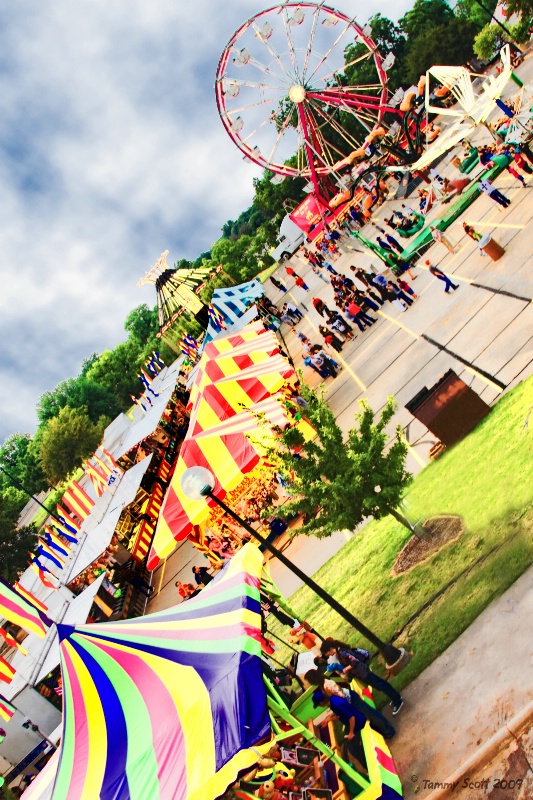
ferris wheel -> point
(285, 99)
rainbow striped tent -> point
(169, 705)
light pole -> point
(22, 488)
(198, 483)
(502, 26)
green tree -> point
(14, 544)
(472, 11)
(424, 17)
(523, 7)
(20, 458)
(80, 392)
(67, 440)
(337, 483)
(486, 41)
(449, 43)
(270, 197)
(389, 38)
(116, 370)
(142, 324)
(243, 258)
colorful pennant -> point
(20, 612)
(12, 642)
(6, 671)
(27, 595)
(78, 500)
(6, 709)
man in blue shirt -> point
(352, 720)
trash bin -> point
(491, 248)
(450, 409)
(456, 161)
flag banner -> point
(44, 575)
(54, 541)
(27, 595)
(67, 520)
(12, 642)
(111, 460)
(104, 468)
(20, 612)
(97, 478)
(6, 709)
(6, 671)
(47, 552)
(309, 213)
(78, 500)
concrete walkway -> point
(467, 696)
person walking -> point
(353, 664)
(521, 161)
(439, 237)
(365, 298)
(308, 362)
(393, 242)
(384, 245)
(277, 284)
(301, 283)
(360, 274)
(316, 269)
(320, 306)
(322, 361)
(438, 273)
(491, 191)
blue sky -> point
(111, 151)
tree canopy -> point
(336, 482)
(67, 441)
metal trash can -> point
(491, 248)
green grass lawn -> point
(488, 480)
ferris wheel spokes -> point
(281, 132)
(253, 62)
(292, 52)
(310, 43)
(276, 56)
(329, 52)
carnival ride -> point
(176, 292)
(284, 98)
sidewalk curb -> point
(485, 753)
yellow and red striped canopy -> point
(249, 372)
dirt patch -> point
(439, 530)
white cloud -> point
(111, 151)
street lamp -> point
(197, 483)
(22, 488)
